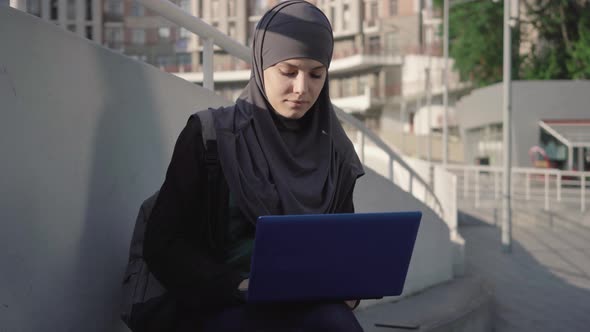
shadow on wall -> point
(126, 160)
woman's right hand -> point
(243, 285)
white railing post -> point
(528, 185)
(558, 186)
(496, 186)
(363, 148)
(477, 188)
(546, 190)
(583, 192)
(391, 169)
(513, 177)
(208, 48)
(465, 182)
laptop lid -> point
(331, 256)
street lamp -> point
(506, 110)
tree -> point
(579, 63)
(558, 31)
(476, 41)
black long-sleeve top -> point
(176, 245)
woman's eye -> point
(289, 74)
(316, 76)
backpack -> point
(139, 284)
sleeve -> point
(347, 205)
(170, 244)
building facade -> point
(83, 17)
(547, 115)
(372, 39)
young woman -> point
(281, 151)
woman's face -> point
(292, 86)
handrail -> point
(393, 156)
(213, 36)
(199, 27)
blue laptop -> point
(331, 256)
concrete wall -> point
(85, 135)
(432, 259)
(532, 101)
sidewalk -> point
(544, 284)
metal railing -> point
(427, 196)
(546, 188)
(211, 36)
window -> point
(136, 9)
(333, 15)
(138, 36)
(34, 7)
(374, 45)
(231, 8)
(89, 10)
(371, 13)
(183, 59)
(89, 34)
(114, 34)
(393, 7)
(71, 10)
(165, 60)
(214, 9)
(346, 16)
(164, 32)
(347, 87)
(53, 10)
(390, 43)
(114, 7)
(72, 27)
(231, 31)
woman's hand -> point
(243, 285)
(351, 303)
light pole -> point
(507, 105)
(446, 83)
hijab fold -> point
(274, 165)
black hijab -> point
(274, 165)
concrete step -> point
(463, 304)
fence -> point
(542, 187)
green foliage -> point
(579, 63)
(560, 48)
(558, 32)
(476, 41)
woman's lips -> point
(297, 102)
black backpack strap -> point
(207, 126)
(213, 169)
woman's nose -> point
(300, 84)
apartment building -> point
(371, 38)
(83, 17)
(379, 58)
(136, 31)
(124, 26)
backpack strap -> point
(213, 169)
(207, 126)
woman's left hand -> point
(351, 304)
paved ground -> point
(544, 284)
